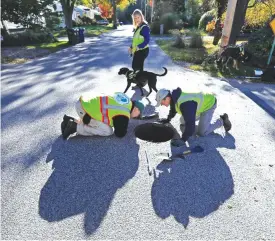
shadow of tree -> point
(94, 54)
(195, 186)
(87, 172)
(248, 90)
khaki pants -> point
(94, 127)
(206, 126)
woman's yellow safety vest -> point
(104, 108)
(204, 101)
(138, 39)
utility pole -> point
(152, 10)
(145, 8)
(230, 14)
(238, 20)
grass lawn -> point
(90, 30)
(18, 55)
(191, 55)
(52, 47)
(196, 56)
(21, 54)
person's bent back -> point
(102, 116)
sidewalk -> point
(261, 93)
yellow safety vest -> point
(105, 108)
(204, 101)
(138, 39)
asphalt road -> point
(99, 188)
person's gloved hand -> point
(177, 142)
(163, 121)
(86, 119)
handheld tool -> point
(148, 165)
(196, 149)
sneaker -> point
(69, 130)
(226, 122)
(65, 122)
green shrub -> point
(174, 32)
(170, 21)
(196, 40)
(27, 37)
(77, 23)
(205, 18)
(155, 27)
(86, 21)
(186, 32)
(52, 20)
(179, 43)
(260, 42)
(194, 21)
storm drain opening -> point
(154, 132)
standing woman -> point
(140, 44)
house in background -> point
(79, 11)
(11, 27)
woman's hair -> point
(138, 12)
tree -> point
(87, 3)
(121, 4)
(207, 5)
(258, 13)
(221, 7)
(28, 13)
(106, 9)
(238, 21)
(239, 16)
(162, 7)
(68, 8)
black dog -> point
(141, 78)
(237, 53)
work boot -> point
(70, 129)
(226, 122)
(65, 122)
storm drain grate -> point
(154, 132)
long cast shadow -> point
(195, 186)
(248, 91)
(87, 172)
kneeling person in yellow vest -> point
(192, 106)
(102, 116)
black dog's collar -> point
(128, 72)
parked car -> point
(102, 22)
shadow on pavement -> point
(87, 172)
(195, 186)
(249, 89)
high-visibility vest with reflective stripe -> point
(138, 39)
(104, 108)
(204, 101)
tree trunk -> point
(114, 14)
(68, 18)
(218, 29)
(68, 12)
(238, 21)
(68, 8)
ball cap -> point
(139, 105)
(162, 93)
